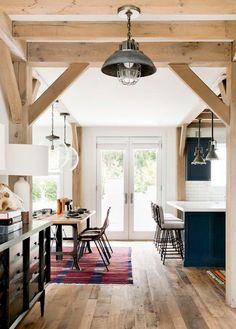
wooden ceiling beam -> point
(116, 30)
(107, 7)
(184, 72)
(16, 47)
(199, 53)
(55, 90)
(9, 84)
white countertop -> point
(199, 206)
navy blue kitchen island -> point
(204, 233)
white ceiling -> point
(95, 99)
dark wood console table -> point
(24, 271)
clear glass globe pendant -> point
(73, 157)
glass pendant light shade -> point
(57, 157)
(198, 153)
(128, 63)
(211, 155)
(73, 158)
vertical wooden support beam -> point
(181, 186)
(231, 191)
(21, 133)
(76, 174)
(9, 83)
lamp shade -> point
(2, 147)
(127, 56)
(26, 160)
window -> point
(218, 167)
(45, 191)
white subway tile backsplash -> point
(204, 191)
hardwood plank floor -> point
(165, 297)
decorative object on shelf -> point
(198, 153)
(211, 155)
(26, 160)
(2, 147)
(57, 152)
(73, 157)
(128, 63)
(8, 199)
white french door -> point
(128, 179)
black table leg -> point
(88, 243)
(75, 246)
(59, 242)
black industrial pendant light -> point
(128, 63)
(198, 153)
(211, 155)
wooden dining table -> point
(78, 225)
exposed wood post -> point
(182, 142)
(231, 191)
(181, 186)
(9, 83)
(76, 174)
(21, 133)
(51, 94)
(219, 108)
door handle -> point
(131, 198)
(126, 198)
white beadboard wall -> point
(203, 190)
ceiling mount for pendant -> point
(122, 11)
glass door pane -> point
(112, 189)
(145, 191)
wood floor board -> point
(162, 297)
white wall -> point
(88, 159)
(4, 119)
(39, 134)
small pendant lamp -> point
(73, 157)
(211, 155)
(57, 152)
(198, 153)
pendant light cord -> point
(212, 126)
(199, 123)
(129, 13)
(64, 129)
(52, 145)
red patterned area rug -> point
(218, 276)
(93, 270)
